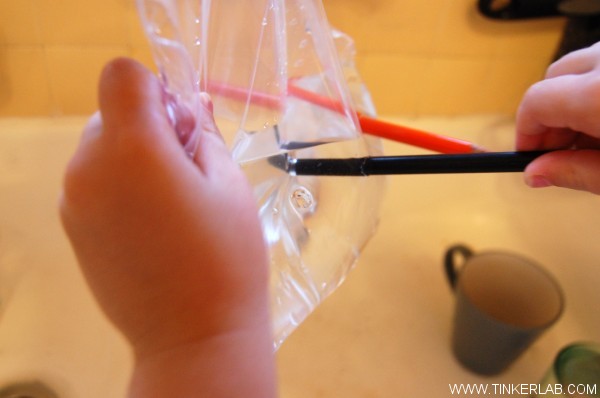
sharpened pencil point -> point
(282, 162)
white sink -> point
(51, 330)
(384, 333)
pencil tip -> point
(280, 161)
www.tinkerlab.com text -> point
(523, 389)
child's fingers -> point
(567, 169)
(212, 153)
(206, 117)
(134, 116)
(131, 105)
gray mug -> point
(503, 303)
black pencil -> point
(486, 162)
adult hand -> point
(563, 112)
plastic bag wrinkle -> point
(281, 81)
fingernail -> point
(206, 101)
(537, 181)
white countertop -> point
(384, 333)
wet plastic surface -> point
(263, 62)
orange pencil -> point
(414, 137)
(390, 131)
(369, 125)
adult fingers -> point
(575, 169)
(575, 63)
(566, 103)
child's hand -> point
(171, 246)
(563, 112)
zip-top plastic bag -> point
(281, 81)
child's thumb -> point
(130, 98)
(575, 169)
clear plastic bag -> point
(281, 81)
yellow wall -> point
(434, 57)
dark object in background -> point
(503, 303)
(583, 18)
(583, 26)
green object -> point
(575, 372)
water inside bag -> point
(253, 57)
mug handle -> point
(449, 264)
